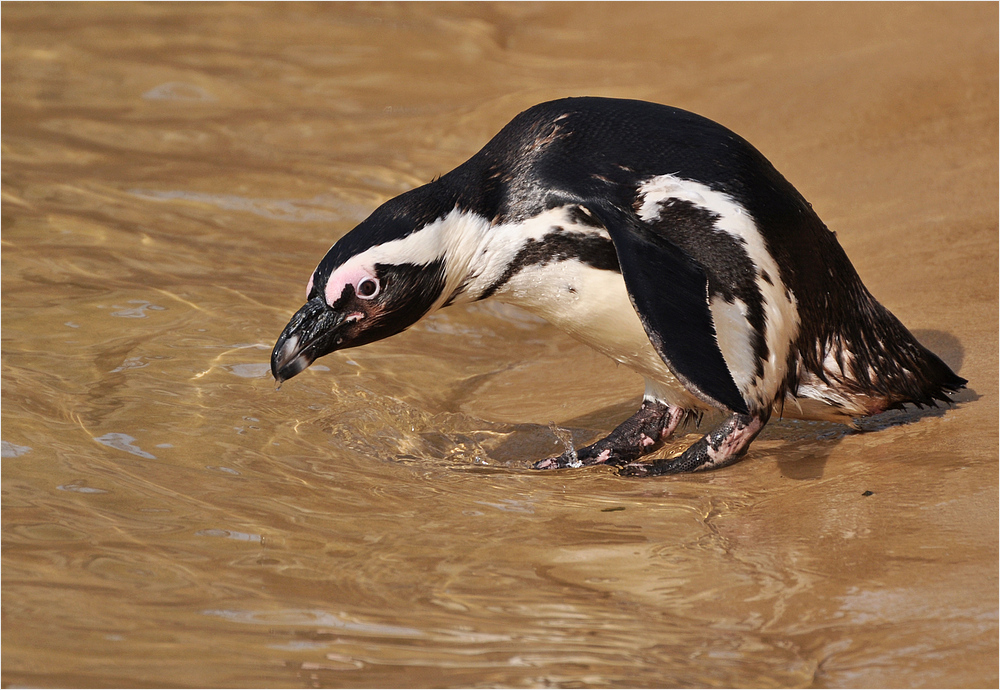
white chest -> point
(591, 304)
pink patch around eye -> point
(341, 278)
(309, 287)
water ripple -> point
(311, 618)
(295, 210)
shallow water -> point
(172, 174)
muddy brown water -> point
(171, 176)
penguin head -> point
(376, 281)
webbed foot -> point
(722, 446)
(641, 433)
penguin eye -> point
(367, 288)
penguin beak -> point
(314, 331)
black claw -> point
(562, 461)
(548, 464)
(655, 469)
(634, 470)
(638, 435)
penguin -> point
(659, 238)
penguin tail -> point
(868, 363)
(902, 371)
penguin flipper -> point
(669, 291)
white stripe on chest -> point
(734, 332)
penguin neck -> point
(485, 253)
(461, 238)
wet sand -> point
(171, 176)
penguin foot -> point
(641, 433)
(722, 446)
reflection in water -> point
(170, 172)
(123, 442)
(81, 489)
(11, 450)
(178, 91)
(138, 312)
(229, 534)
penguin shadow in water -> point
(804, 445)
(807, 445)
